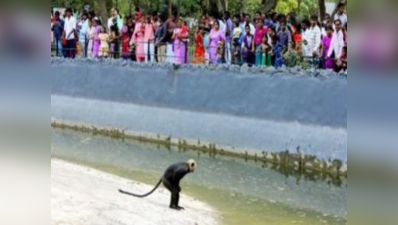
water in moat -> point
(243, 192)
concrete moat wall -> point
(251, 110)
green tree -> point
(286, 6)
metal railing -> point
(152, 54)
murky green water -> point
(244, 193)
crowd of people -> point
(263, 40)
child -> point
(341, 64)
(277, 49)
(206, 44)
(90, 38)
(237, 34)
(259, 33)
(104, 48)
(112, 40)
(184, 33)
(199, 49)
(125, 40)
(248, 47)
(138, 41)
(265, 52)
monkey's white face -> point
(192, 165)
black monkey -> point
(171, 180)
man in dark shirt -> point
(284, 36)
(58, 30)
(160, 40)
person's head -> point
(115, 12)
(329, 30)
(148, 19)
(282, 23)
(216, 25)
(227, 15)
(314, 20)
(291, 19)
(327, 20)
(341, 8)
(236, 19)
(180, 23)
(274, 17)
(162, 18)
(247, 28)
(68, 12)
(95, 22)
(90, 23)
(337, 24)
(257, 16)
(57, 15)
(345, 50)
(91, 15)
(271, 31)
(103, 30)
(265, 39)
(260, 24)
(247, 18)
(305, 24)
(85, 16)
(142, 20)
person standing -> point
(284, 36)
(312, 38)
(341, 14)
(96, 40)
(138, 40)
(228, 37)
(236, 39)
(199, 49)
(69, 35)
(180, 45)
(337, 43)
(115, 19)
(248, 47)
(83, 25)
(216, 38)
(58, 31)
(259, 34)
(90, 39)
(160, 40)
(326, 41)
(149, 47)
(125, 40)
(104, 45)
(169, 41)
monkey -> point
(171, 180)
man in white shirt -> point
(83, 27)
(337, 43)
(69, 34)
(341, 15)
(312, 39)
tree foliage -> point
(196, 8)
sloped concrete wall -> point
(260, 110)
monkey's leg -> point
(169, 187)
(178, 200)
(174, 200)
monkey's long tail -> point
(142, 196)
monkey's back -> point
(175, 172)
